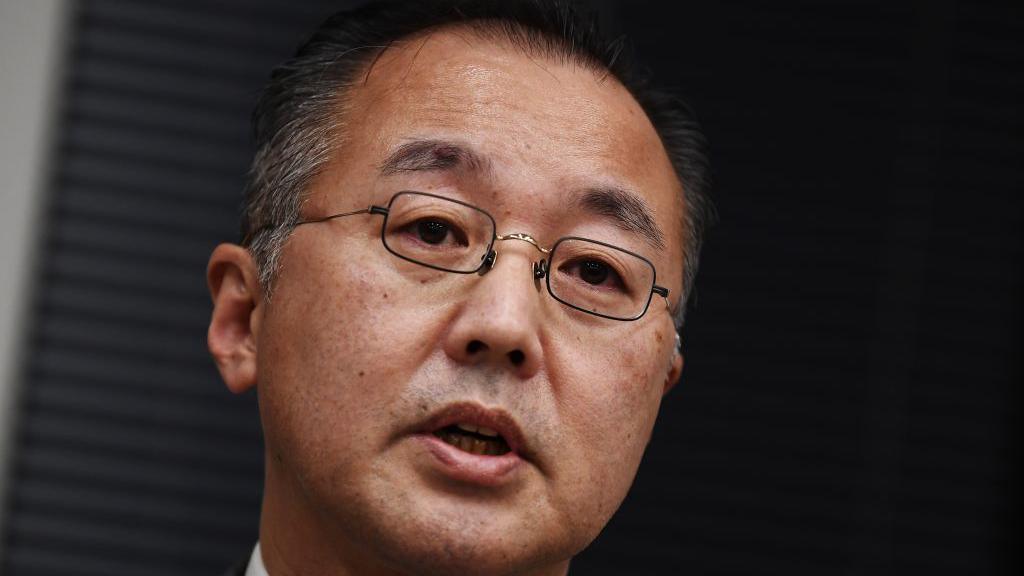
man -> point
(467, 246)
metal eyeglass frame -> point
(540, 268)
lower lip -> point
(469, 468)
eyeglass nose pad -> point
(489, 261)
(540, 269)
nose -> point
(498, 320)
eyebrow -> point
(432, 156)
(629, 211)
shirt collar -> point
(256, 567)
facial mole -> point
(361, 373)
(386, 297)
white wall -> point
(31, 49)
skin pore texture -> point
(357, 349)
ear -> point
(675, 366)
(234, 287)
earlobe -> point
(675, 367)
(234, 288)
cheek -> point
(620, 385)
(328, 369)
(610, 408)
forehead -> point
(545, 123)
(454, 78)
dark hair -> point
(302, 110)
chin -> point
(441, 555)
(461, 541)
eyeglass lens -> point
(438, 232)
(600, 279)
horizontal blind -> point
(131, 456)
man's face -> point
(361, 356)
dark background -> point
(850, 402)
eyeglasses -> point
(453, 236)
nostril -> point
(517, 357)
(474, 347)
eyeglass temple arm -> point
(663, 292)
(371, 210)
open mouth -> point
(471, 444)
(478, 440)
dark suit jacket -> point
(239, 568)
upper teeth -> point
(477, 430)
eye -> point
(432, 231)
(594, 273)
(435, 231)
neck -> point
(296, 538)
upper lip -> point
(477, 415)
